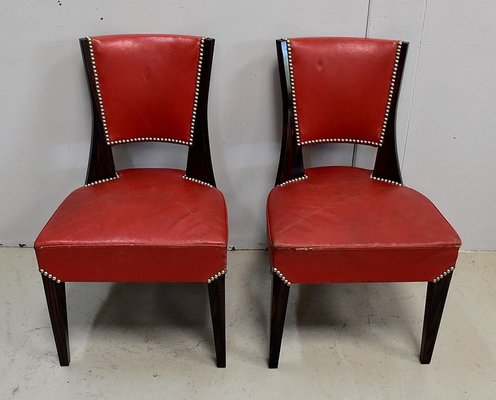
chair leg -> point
(216, 294)
(280, 293)
(57, 308)
(434, 305)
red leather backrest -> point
(147, 86)
(341, 88)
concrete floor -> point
(154, 341)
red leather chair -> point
(141, 225)
(347, 224)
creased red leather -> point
(342, 86)
(147, 225)
(147, 84)
(341, 226)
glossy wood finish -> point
(386, 161)
(434, 306)
(199, 165)
(386, 167)
(280, 294)
(101, 166)
(57, 308)
(216, 295)
(101, 161)
(291, 158)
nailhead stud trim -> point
(386, 180)
(293, 92)
(197, 181)
(301, 178)
(146, 139)
(102, 180)
(343, 140)
(280, 275)
(448, 271)
(197, 92)
(149, 139)
(98, 91)
(49, 276)
(216, 276)
(391, 91)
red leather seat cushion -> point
(341, 226)
(147, 225)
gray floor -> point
(148, 341)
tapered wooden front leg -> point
(57, 308)
(434, 305)
(280, 293)
(216, 294)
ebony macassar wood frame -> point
(101, 166)
(386, 168)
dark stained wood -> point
(386, 167)
(386, 161)
(434, 306)
(57, 308)
(216, 295)
(280, 294)
(101, 161)
(291, 158)
(101, 166)
(199, 165)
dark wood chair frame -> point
(386, 167)
(101, 166)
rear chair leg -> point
(434, 305)
(280, 293)
(57, 308)
(216, 294)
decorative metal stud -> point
(216, 276)
(339, 140)
(145, 139)
(197, 92)
(49, 276)
(197, 181)
(445, 273)
(103, 180)
(345, 140)
(301, 178)
(293, 92)
(391, 92)
(385, 180)
(280, 275)
(149, 139)
(98, 91)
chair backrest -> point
(148, 87)
(339, 90)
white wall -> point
(451, 145)
(445, 135)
